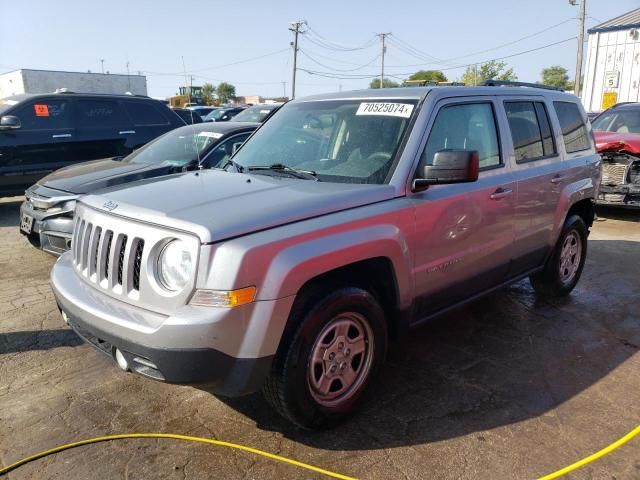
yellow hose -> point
(595, 456)
(209, 441)
(574, 466)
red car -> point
(617, 134)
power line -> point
(324, 42)
(304, 52)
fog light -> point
(65, 317)
(121, 361)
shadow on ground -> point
(506, 358)
(16, 342)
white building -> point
(613, 63)
(47, 81)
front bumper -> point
(52, 229)
(195, 345)
(626, 195)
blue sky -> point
(153, 35)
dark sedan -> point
(46, 216)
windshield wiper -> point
(280, 167)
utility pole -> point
(578, 78)
(128, 78)
(102, 65)
(384, 49)
(296, 28)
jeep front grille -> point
(93, 256)
(614, 173)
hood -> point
(216, 205)
(88, 177)
(618, 142)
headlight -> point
(175, 265)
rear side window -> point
(47, 113)
(574, 131)
(101, 113)
(530, 130)
(467, 126)
(145, 113)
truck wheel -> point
(326, 363)
(564, 267)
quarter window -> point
(468, 126)
(48, 113)
(574, 131)
(530, 130)
(101, 113)
(145, 114)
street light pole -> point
(578, 78)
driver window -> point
(468, 126)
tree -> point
(208, 91)
(493, 70)
(226, 92)
(429, 76)
(375, 83)
(556, 76)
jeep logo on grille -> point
(110, 205)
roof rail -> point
(505, 83)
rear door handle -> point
(557, 179)
(500, 193)
(127, 132)
(62, 135)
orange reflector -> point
(220, 298)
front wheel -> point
(564, 267)
(327, 361)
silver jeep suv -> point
(345, 219)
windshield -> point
(176, 148)
(215, 114)
(254, 114)
(347, 141)
(622, 121)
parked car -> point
(41, 133)
(257, 113)
(202, 110)
(344, 219)
(188, 116)
(617, 134)
(223, 114)
(46, 216)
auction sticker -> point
(383, 108)
(42, 110)
(210, 134)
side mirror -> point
(235, 147)
(450, 166)
(9, 122)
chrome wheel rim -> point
(570, 257)
(340, 359)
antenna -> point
(186, 86)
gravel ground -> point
(507, 387)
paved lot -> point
(508, 387)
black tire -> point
(289, 386)
(554, 280)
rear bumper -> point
(627, 195)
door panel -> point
(464, 233)
(103, 129)
(43, 143)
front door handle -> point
(500, 193)
(557, 179)
(127, 132)
(62, 135)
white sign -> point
(611, 79)
(384, 108)
(215, 135)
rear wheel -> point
(564, 267)
(328, 358)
